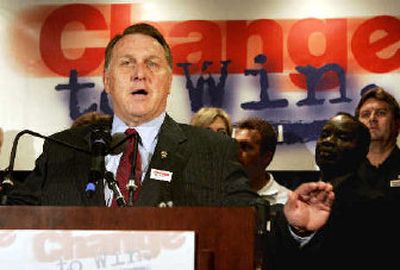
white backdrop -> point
(206, 30)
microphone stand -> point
(113, 185)
(131, 187)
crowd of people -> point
(345, 219)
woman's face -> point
(218, 125)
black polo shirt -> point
(386, 177)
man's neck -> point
(119, 125)
(379, 152)
(259, 181)
(335, 179)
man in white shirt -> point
(257, 140)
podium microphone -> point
(7, 183)
(100, 140)
(102, 144)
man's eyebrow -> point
(126, 56)
(151, 57)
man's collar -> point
(147, 131)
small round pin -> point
(164, 154)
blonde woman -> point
(213, 118)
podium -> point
(224, 237)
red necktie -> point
(125, 167)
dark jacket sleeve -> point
(29, 192)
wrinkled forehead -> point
(342, 123)
(247, 134)
(373, 103)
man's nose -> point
(331, 139)
(139, 72)
(241, 155)
(373, 117)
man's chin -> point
(327, 164)
(376, 138)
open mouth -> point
(139, 92)
(326, 153)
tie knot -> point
(130, 131)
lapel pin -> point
(164, 154)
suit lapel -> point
(166, 158)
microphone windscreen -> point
(117, 145)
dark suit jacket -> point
(360, 234)
(204, 166)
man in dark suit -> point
(360, 229)
(177, 163)
(180, 163)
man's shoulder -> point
(194, 137)
(73, 136)
(205, 134)
(395, 153)
(76, 132)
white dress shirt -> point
(273, 192)
(148, 133)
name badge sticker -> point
(161, 175)
(395, 183)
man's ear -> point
(170, 82)
(267, 157)
(106, 81)
(398, 125)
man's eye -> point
(245, 147)
(381, 113)
(153, 65)
(365, 114)
(345, 137)
(126, 62)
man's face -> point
(379, 119)
(337, 147)
(138, 79)
(250, 156)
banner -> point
(96, 249)
(293, 63)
